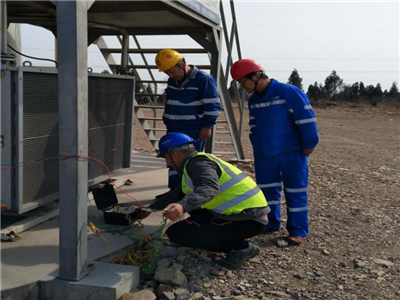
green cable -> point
(148, 266)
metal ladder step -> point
(149, 106)
(224, 143)
(223, 132)
(225, 153)
(155, 129)
(151, 119)
(145, 94)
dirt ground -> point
(353, 250)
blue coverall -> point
(282, 124)
(190, 106)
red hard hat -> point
(243, 67)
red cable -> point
(109, 176)
(78, 156)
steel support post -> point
(214, 71)
(227, 105)
(3, 47)
(3, 26)
(73, 136)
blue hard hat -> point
(173, 140)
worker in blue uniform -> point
(283, 132)
(192, 101)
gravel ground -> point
(353, 250)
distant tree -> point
(333, 84)
(149, 89)
(378, 91)
(315, 91)
(311, 91)
(161, 99)
(231, 90)
(386, 94)
(321, 90)
(394, 90)
(346, 93)
(140, 89)
(369, 91)
(355, 91)
(295, 79)
(362, 90)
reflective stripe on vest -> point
(235, 178)
(226, 205)
(237, 190)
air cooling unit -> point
(29, 119)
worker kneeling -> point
(225, 205)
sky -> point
(359, 40)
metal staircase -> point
(227, 132)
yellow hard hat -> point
(167, 58)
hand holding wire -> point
(173, 211)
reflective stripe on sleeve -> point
(304, 121)
(212, 113)
(307, 107)
(210, 100)
(172, 172)
(283, 101)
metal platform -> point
(162, 17)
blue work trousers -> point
(290, 169)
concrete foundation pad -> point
(104, 282)
(25, 292)
(35, 256)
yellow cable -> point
(135, 258)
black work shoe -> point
(235, 258)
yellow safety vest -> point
(237, 191)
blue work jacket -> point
(281, 120)
(192, 105)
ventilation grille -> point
(108, 102)
(40, 135)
